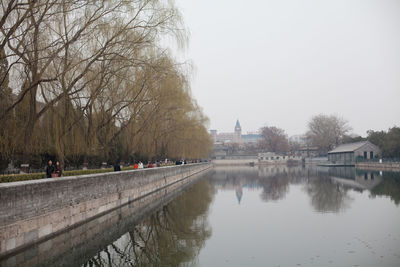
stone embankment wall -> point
(34, 210)
(387, 166)
(79, 244)
(235, 162)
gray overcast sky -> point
(279, 62)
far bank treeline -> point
(325, 132)
(89, 81)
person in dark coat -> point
(49, 169)
(117, 167)
(58, 169)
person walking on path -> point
(49, 169)
(58, 169)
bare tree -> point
(327, 131)
(274, 139)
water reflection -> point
(171, 236)
(275, 187)
(326, 194)
(303, 216)
(327, 187)
(270, 209)
(176, 234)
(390, 186)
(355, 178)
(180, 233)
(275, 181)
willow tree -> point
(170, 122)
(55, 48)
(92, 80)
(7, 125)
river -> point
(255, 216)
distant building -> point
(225, 137)
(298, 138)
(219, 151)
(214, 135)
(251, 138)
(347, 154)
(273, 158)
(309, 152)
(236, 136)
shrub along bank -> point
(41, 175)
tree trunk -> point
(29, 127)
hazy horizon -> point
(278, 63)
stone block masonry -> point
(74, 247)
(385, 166)
(34, 210)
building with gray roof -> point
(347, 154)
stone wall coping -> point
(92, 175)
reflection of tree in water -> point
(274, 180)
(390, 186)
(276, 187)
(231, 177)
(326, 196)
(169, 237)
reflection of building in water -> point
(369, 179)
(355, 178)
(270, 171)
(236, 179)
(390, 186)
(273, 180)
(239, 193)
(327, 187)
(296, 173)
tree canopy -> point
(388, 141)
(274, 139)
(90, 81)
(327, 131)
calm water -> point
(262, 216)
